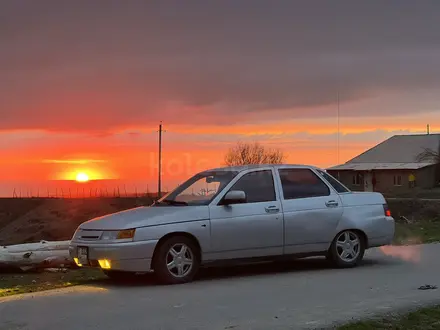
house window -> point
(397, 180)
(357, 179)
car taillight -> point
(386, 210)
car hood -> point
(147, 216)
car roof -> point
(257, 166)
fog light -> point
(104, 264)
(77, 262)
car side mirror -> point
(234, 197)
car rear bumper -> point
(385, 235)
(380, 241)
(130, 257)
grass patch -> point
(417, 233)
(16, 283)
(422, 319)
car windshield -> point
(201, 189)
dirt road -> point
(306, 294)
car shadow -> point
(246, 270)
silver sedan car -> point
(245, 214)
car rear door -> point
(251, 229)
(312, 210)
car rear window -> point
(339, 187)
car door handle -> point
(331, 204)
(272, 209)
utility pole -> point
(427, 129)
(338, 132)
(159, 181)
(338, 138)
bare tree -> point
(431, 156)
(253, 153)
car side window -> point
(302, 183)
(258, 186)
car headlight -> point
(118, 234)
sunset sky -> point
(84, 84)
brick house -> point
(392, 166)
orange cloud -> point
(317, 126)
(131, 154)
(73, 161)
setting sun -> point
(82, 177)
(86, 173)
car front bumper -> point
(128, 256)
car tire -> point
(118, 275)
(347, 249)
(176, 261)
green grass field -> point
(422, 319)
(417, 233)
(16, 283)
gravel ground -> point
(300, 295)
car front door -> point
(250, 229)
(311, 210)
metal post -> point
(159, 182)
(338, 130)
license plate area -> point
(83, 255)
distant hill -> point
(24, 220)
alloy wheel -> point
(179, 260)
(348, 246)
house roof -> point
(397, 152)
(378, 166)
